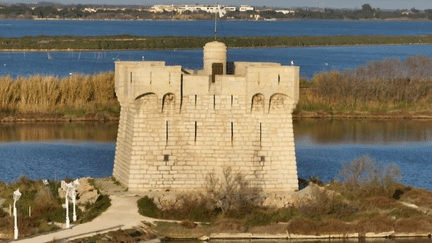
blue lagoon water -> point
(56, 159)
(56, 151)
(19, 28)
(310, 59)
(324, 161)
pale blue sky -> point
(384, 4)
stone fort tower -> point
(178, 125)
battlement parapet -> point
(135, 79)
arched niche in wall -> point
(168, 103)
(278, 102)
(147, 102)
(258, 102)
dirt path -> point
(122, 214)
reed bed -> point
(385, 85)
(51, 94)
(377, 86)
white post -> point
(70, 192)
(67, 211)
(15, 221)
(73, 200)
(16, 197)
(74, 187)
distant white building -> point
(216, 9)
(160, 8)
(221, 9)
(191, 8)
(244, 8)
(90, 10)
(285, 11)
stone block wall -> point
(180, 127)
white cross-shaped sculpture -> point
(70, 189)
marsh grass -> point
(376, 86)
(70, 96)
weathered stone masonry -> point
(178, 125)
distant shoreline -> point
(133, 43)
(262, 47)
(228, 20)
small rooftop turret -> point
(214, 52)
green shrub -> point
(258, 219)
(147, 207)
(285, 214)
(266, 217)
(324, 203)
(94, 210)
(201, 213)
(72, 112)
(59, 215)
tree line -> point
(52, 11)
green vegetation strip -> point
(128, 42)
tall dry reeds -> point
(378, 85)
(48, 93)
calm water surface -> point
(75, 150)
(310, 59)
(56, 150)
(20, 28)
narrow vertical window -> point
(278, 78)
(181, 92)
(214, 102)
(232, 133)
(166, 130)
(260, 133)
(196, 131)
(195, 100)
(232, 100)
(169, 78)
(130, 77)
